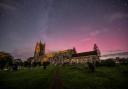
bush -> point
(27, 64)
(124, 61)
(34, 64)
(5, 60)
(98, 63)
(108, 62)
(46, 63)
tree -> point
(45, 64)
(30, 59)
(18, 62)
(5, 60)
(109, 62)
(95, 48)
(91, 66)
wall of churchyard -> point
(84, 59)
(72, 60)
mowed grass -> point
(72, 76)
(78, 77)
(35, 78)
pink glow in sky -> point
(63, 24)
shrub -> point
(124, 61)
(108, 62)
(27, 64)
(5, 60)
(98, 63)
(46, 63)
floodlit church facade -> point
(65, 56)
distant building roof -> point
(85, 54)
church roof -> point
(85, 54)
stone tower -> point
(39, 51)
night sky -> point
(63, 24)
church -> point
(65, 56)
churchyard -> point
(71, 77)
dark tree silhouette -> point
(91, 66)
(5, 60)
(18, 62)
(45, 64)
(96, 48)
(30, 59)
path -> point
(56, 81)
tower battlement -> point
(39, 50)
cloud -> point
(86, 39)
(7, 6)
(118, 16)
(93, 34)
(104, 52)
(23, 53)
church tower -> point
(39, 51)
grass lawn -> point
(35, 78)
(73, 77)
(78, 77)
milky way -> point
(63, 24)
